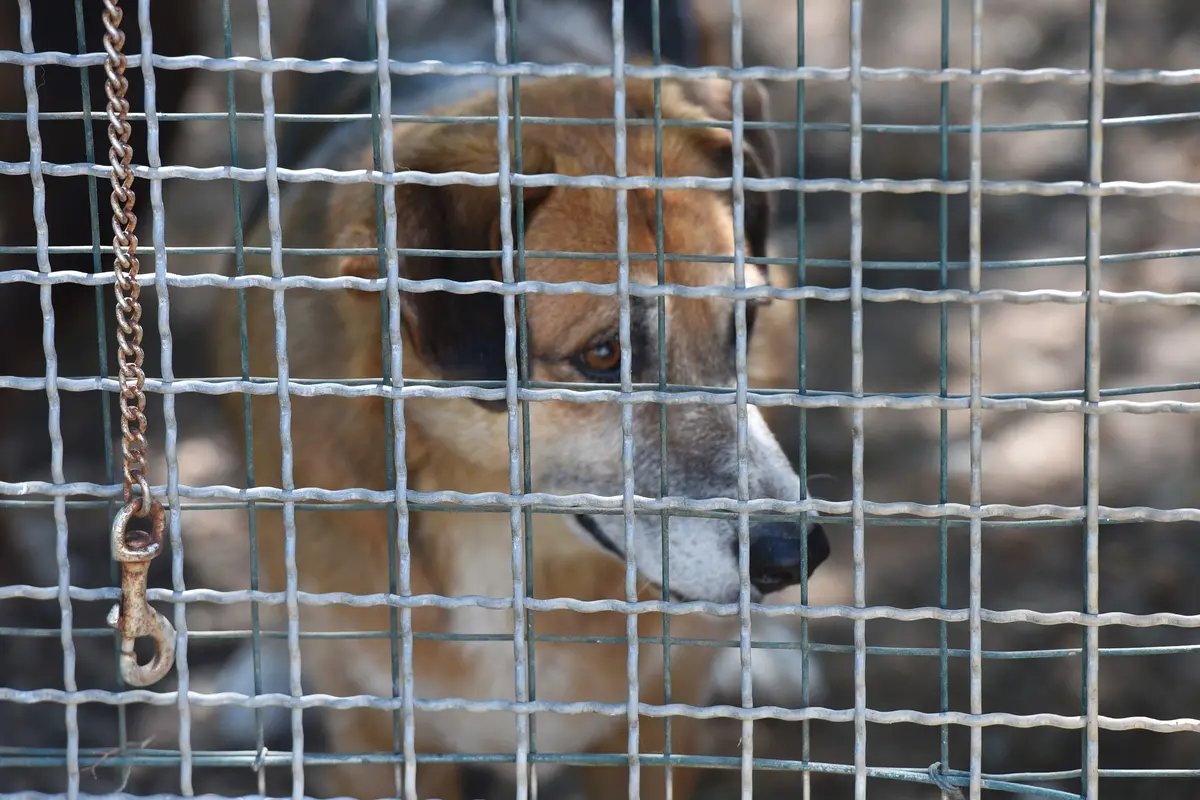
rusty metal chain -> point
(133, 617)
(129, 309)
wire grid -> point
(518, 390)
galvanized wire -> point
(974, 236)
(511, 394)
(980, 77)
(625, 344)
(154, 156)
(527, 542)
(857, 431)
(549, 179)
(1090, 778)
(596, 504)
(267, 88)
(54, 413)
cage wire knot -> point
(948, 789)
(132, 617)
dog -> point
(461, 444)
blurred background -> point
(1028, 458)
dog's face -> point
(576, 447)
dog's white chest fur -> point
(486, 671)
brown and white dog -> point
(462, 444)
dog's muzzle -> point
(777, 553)
(593, 530)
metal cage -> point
(953, 198)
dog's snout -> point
(777, 552)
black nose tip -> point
(776, 554)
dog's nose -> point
(776, 549)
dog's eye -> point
(751, 316)
(600, 360)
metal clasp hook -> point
(133, 617)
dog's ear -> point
(459, 336)
(760, 153)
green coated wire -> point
(802, 386)
(389, 428)
(247, 412)
(943, 387)
(162, 758)
(663, 475)
(816, 647)
(829, 263)
(815, 127)
(523, 377)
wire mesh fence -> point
(875, 259)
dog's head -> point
(577, 446)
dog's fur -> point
(461, 444)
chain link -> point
(134, 550)
(130, 376)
